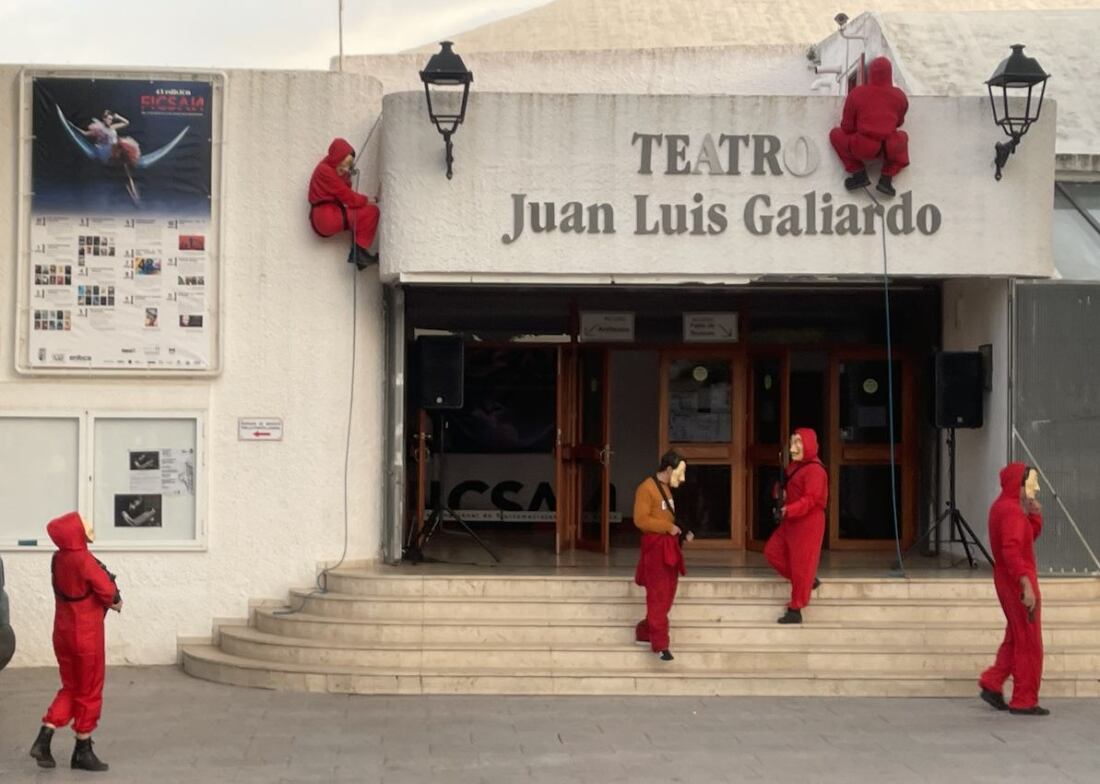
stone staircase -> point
(396, 631)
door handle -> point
(605, 455)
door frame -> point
(906, 453)
(758, 455)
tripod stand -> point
(961, 532)
(418, 540)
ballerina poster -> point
(122, 179)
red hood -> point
(882, 72)
(1012, 479)
(67, 532)
(809, 443)
(337, 151)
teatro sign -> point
(725, 155)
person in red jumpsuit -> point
(869, 125)
(334, 207)
(794, 548)
(660, 560)
(1015, 522)
(84, 590)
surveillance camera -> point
(841, 19)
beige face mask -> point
(1031, 485)
(797, 452)
(89, 530)
(679, 473)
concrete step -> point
(210, 663)
(371, 582)
(464, 608)
(588, 632)
(250, 643)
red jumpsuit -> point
(1012, 533)
(869, 125)
(334, 206)
(794, 548)
(660, 563)
(78, 626)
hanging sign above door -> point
(606, 327)
(710, 327)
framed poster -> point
(120, 235)
(145, 470)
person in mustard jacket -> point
(660, 561)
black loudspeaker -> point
(959, 378)
(440, 361)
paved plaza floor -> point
(161, 727)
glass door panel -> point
(863, 489)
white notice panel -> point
(710, 327)
(260, 429)
(606, 327)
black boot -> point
(85, 759)
(884, 187)
(994, 698)
(41, 748)
(792, 616)
(1032, 711)
(857, 180)
(363, 257)
(817, 584)
(665, 655)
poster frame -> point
(219, 82)
(86, 486)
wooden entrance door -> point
(584, 449)
(702, 407)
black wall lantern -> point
(444, 72)
(1016, 77)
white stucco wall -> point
(274, 509)
(707, 70)
(976, 312)
(578, 148)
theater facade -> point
(629, 274)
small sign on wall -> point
(599, 327)
(710, 327)
(260, 429)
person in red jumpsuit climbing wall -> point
(84, 590)
(335, 207)
(1015, 522)
(794, 548)
(660, 560)
(869, 125)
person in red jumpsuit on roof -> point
(84, 590)
(1015, 522)
(335, 207)
(873, 113)
(794, 548)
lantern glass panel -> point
(447, 105)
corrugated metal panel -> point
(1057, 414)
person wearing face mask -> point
(335, 207)
(1015, 522)
(660, 561)
(84, 590)
(794, 548)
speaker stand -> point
(960, 531)
(418, 540)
